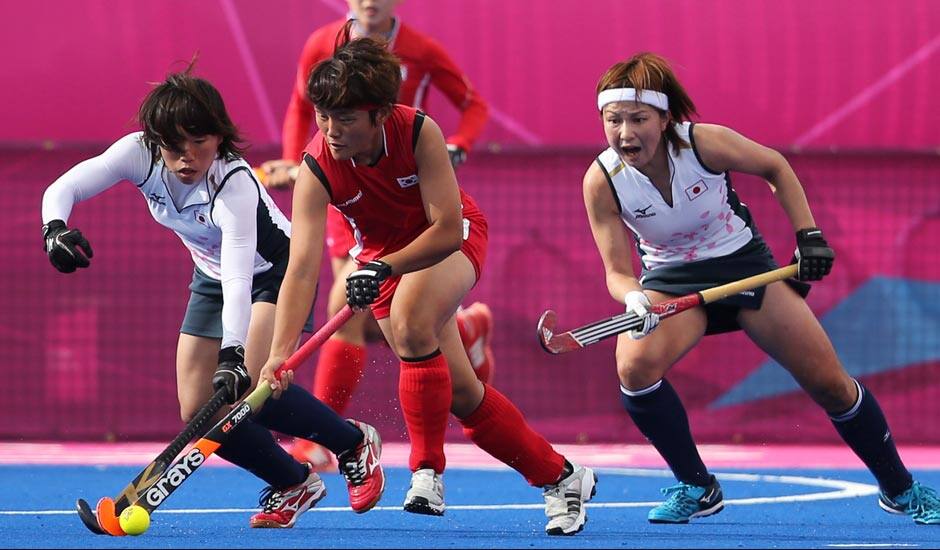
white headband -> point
(656, 99)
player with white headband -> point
(663, 186)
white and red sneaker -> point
(476, 332)
(318, 456)
(280, 509)
(360, 466)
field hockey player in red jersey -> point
(421, 243)
(425, 64)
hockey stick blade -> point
(551, 342)
(202, 449)
(88, 517)
(108, 519)
(584, 336)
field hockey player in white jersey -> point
(663, 185)
(187, 165)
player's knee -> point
(414, 339)
(638, 372)
(833, 394)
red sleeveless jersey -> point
(382, 202)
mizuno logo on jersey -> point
(157, 199)
(644, 212)
(695, 190)
(404, 183)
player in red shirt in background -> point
(423, 63)
(421, 243)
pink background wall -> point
(844, 73)
(91, 354)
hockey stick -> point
(201, 450)
(605, 328)
(154, 470)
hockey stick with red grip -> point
(581, 337)
(201, 450)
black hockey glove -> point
(67, 248)
(812, 255)
(362, 285)
(231, 373)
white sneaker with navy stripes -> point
(564, 501)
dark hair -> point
(361, 72)
(648, 71)
(186, 102)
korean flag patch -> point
(404, 183)
(696, 190)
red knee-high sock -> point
(339, 370)
(499, 428)
(425, 394)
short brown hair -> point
(648, 71)
(186, 102)
(361, 72)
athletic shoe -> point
(684, 502)
(360, 466)
(477, 322)
(564, 502)
(426, 495)
(316, 455)
(919, 502)
(280, 509)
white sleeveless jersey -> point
(190, 211)
(706, 219)
(228, 222)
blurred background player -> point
(187, 165)
(421, 246)
(666, 179)
(424, 63)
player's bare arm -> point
(441, 198)
(609, 234)
(303, 269)
(723, 149)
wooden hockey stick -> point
(580, 337)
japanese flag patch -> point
(696, 190)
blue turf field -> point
(487, 509)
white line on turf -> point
(843, 489)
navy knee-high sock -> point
(660, 416)
(866, 431)
(300, 414)
(252, 447)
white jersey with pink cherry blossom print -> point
(706, 219)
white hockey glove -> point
(638, 304)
